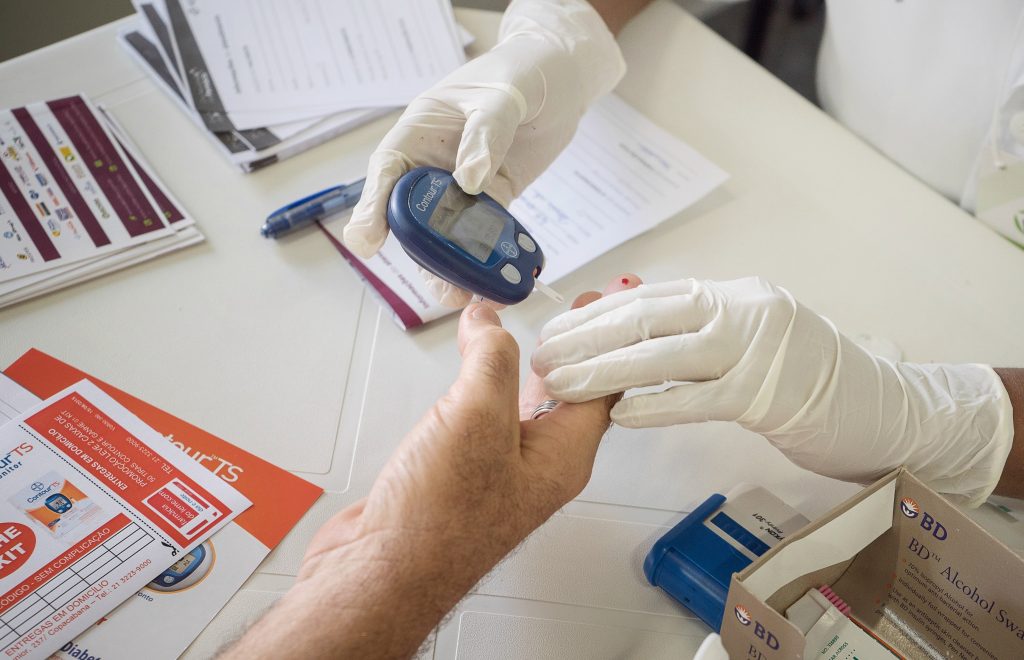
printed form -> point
(620, 176)
(267, 62)
(93, 506)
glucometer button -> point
(526, 243)
(511, 273)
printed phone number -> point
(135, 571)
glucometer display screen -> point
(58, 503)
(182, 564)
(473, 225)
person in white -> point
(926, 81)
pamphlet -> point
(198, 584)
(77, 200)
(94, 505)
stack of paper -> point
(266, 79)
(76, 200)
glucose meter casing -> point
(468, 240)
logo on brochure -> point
(510, 250)
(743, 615)
(909, 507)
(66, 153)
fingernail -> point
(482, 312)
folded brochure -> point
(198, 584)
(94, 505)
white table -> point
(276, 347)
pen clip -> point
(305, 200)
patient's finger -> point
(583, 299)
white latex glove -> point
(498, 121)
(746, 351)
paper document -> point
(197, 585)
(95, 506)
(620, 176)
(68, 193)
(14, 399)
(159, 50)
(265, 62)
(78, 204)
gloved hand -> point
(746, 351)
(498, 121)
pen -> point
(318, 206)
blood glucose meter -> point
(190, 569)
(469, 240)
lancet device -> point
(694, 562)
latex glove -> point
(498, 121)
(746, 351)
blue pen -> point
(318, 206)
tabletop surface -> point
(275, 346)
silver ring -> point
(544, 408)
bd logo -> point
(911, 509)
(743, 616)
(510, 250)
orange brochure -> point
(197, 586)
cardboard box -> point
(918, 574)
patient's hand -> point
(467, 484)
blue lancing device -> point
(469, 240)
(694, 562)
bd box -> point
(921, 578)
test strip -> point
(548, 291)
